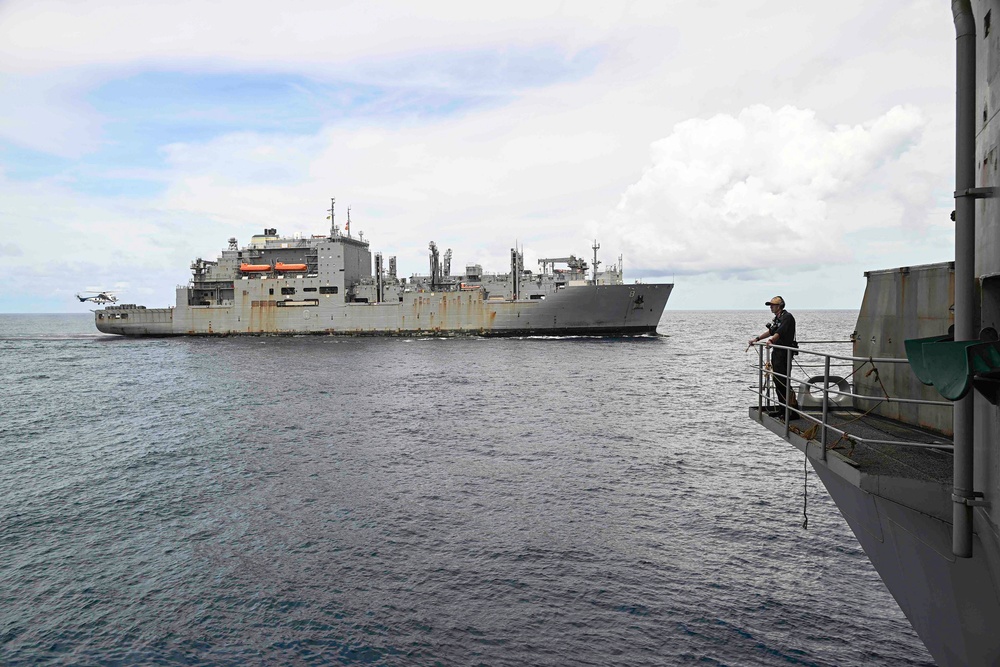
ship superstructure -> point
(333, 284)
(907, 442)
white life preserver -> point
(810, 393)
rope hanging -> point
(805, 491)
(844, 436)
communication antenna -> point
(332, 218)
(596, 247)
(347, 227)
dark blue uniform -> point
(784, 326)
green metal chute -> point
(951, 366)
(915, 355)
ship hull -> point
(951, 602)
(904, 526)
(580, 310)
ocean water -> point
(465, 501)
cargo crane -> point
(574, 262)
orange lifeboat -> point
(280, 266)
(254, 267)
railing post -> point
(788, 389)
(765, 401)
(760, 382)
(826, 404)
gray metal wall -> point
(909, 302)
(987, 415)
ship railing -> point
(807, 386)
(287, 243)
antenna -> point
(596, 247)
(347, 227)
(333, 221)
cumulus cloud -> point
(502, 170)
(739, 193)
(473, 127)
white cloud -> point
(57, 243)
(753, 191)
(42, 34)
(779, 121)
(47, 113)
(498, 171)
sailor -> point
(780, 331)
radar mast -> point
(595, 247)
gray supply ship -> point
(908, 441)
(326, 285)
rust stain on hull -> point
(569, 312)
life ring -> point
(812, 396)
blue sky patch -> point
(143, 112)
(110, 172)
(25, 164)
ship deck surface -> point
(919, 463)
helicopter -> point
(98, 297)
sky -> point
(740, 150)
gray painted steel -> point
(331, 289)
(965, 259)
(937, 545)
(909, 302)
(901, 517)
(903, 524)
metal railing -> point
(827, 391)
